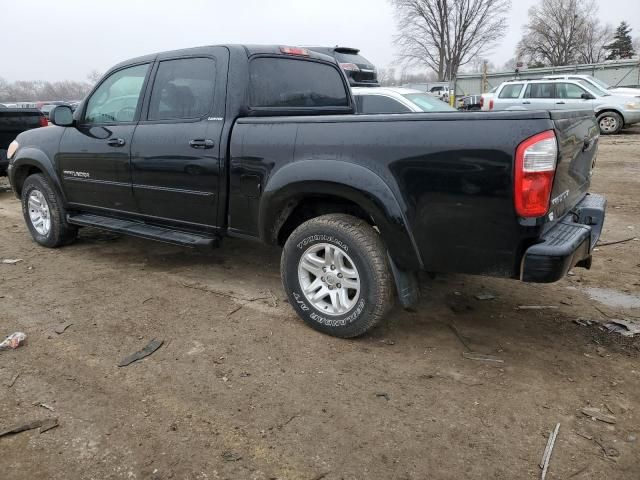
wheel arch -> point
(339, 187)
(29, 161)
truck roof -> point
(248, 49)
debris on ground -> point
(461, 337)
(481, 357)
(231, 456)
(546, 456)
(617, 242)
(386, 396)
(139, 355)
(485, 296)
(11, 261)
(61, 328)
(13, 380)
(585, 323)
(44, 425)
(13, 341)
(596, 414)
(44, 405)
(626, 328)
(536, 307)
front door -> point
(569, 97)
(175, 157)
(94, 156)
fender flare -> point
(295, 181)
(33, 157)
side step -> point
(138, 229)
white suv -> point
(613, 111)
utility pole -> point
(485, 85)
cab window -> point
(292, 83)
(116, 99)
(182, 89)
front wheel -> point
(45, 216)
(336, 275)
(610, 123)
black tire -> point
(365, 251)
(60, 232)
(611, 118)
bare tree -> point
(593, 40)
(93, 76)
(555, 31)
(387, 76)
(443, 35)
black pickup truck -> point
(13, 121)
(261, 142)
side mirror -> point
(587, 96)
(61, 115)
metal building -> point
(616, 73)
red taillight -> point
(535, 167)
(481, 102)
(303, 52)
(350, 67)
(491, 104)
(43, 121)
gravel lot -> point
(241, 389)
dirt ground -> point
(242, 389)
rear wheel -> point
(610, 123)
(336, 274)
(44, 214)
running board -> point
(143, 230)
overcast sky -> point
(66, 39)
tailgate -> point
(14, 121)
(577, 133)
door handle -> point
(526, 103)
(559, 103)
(116, 142)
(201, 143)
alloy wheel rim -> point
(608, 124)
(329, 279)
(39, 212)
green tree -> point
(622, 45)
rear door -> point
(176, 157)
(93, 158)
(540, 96)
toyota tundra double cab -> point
(262, 143)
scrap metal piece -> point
(145, 352)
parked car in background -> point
(14, 121)
(396, 100)
(599, 84)
(440, 91)
(261, 142)
(612, 111)
(470, 103)
(360, 71)
(486, 100)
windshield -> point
(593, 89)
(427, 103)
(600, 83)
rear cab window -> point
(290, 85)
(511, 90)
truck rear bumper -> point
(569, 243)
